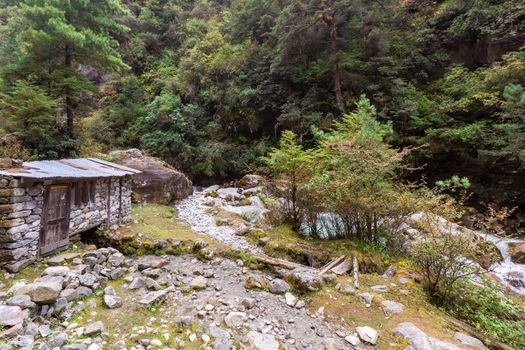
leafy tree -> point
(292, 166)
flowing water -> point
(510, 273)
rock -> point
(263, 241)
(116, 260)
(278, 286)
(291, 300)
(516, 252)
(352, 340)
(305, 280)
(392, 307)
(260, 341)
(23, 301)
(158, 182)
(366, 298)
(88, 279)
(346, 289)
(183, 321)
(153, 297)
(11, 316)
(229, 194)
(62, 258)
(83, 291)
(248, 303)
(380, 288)
(112, 301)
(56, 271)
(470, 341)
(418, 340)
(44, 330)
(251, 181)
(45, 290)
(390, 272)
(255, 282)
(235, 319)
(367, 334)
(137, 283)
(94, 328)
(330, 344)
(221, 338)
(199, 282)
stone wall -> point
(21, 211)
(85, 217)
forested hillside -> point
(210, 85)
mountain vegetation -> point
(210, 85)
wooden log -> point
(332, 264)
(281, 263)
(355, 266)
(490, 342)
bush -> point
(445, 259)
(490, 312)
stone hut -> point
(45, 205)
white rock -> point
(367, 334)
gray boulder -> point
(157, 182)
(418, 340)
(45, 290)
(11, 315)
(305, 280)
(278, 286)
(470, 341)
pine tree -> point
(45, 41)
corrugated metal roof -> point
(69, 169)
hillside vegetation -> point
(210, 85)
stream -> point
(511, 274)
(195, 210)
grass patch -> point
(284, 243)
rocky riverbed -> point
(101, 299)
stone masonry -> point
(21, 212)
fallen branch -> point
(281, 263)
(332, 264)
(355, 266)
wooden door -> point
(55, 225)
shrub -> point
(445, 259)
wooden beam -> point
(332, 264)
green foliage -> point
(292, 166)
(44, 41)
(490, 312)
(31, 117)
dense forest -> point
(210, 85)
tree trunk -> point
(337, 84)
(67, 93)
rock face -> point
(157, 182)
(419, 340)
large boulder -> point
(158, 182)
(419, 340)
(45, 290)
